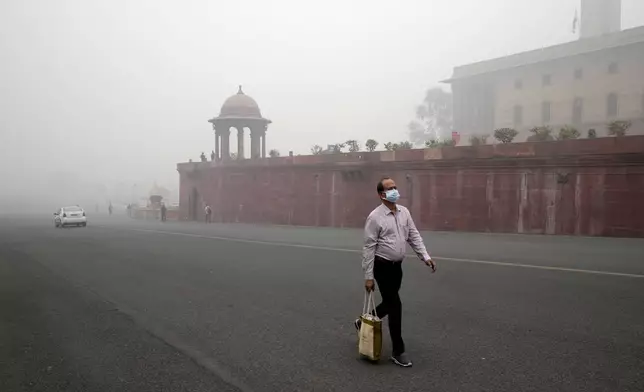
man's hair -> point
(381, 188)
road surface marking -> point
(331, 249)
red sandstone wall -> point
(571, 188)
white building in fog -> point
(585, 83)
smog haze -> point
(99, 96)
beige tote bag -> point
(370, 343)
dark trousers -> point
(388, 276)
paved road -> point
(140, 306)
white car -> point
(70, 216)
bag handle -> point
(369, 304)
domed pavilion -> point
(240, 112)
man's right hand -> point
(368, 285)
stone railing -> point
(561, 148)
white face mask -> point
(392, 195)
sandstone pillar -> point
(217, 146)
(240, 142)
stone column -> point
(264, 144)
(240, 142)
(217, 146)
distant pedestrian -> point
(386, 232)
(208, 211)
(164, 211)
(110, 208)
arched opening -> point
(239, 143)
(233, 143)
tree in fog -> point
(541, 134)
(435, 143)
(316, 149)
(618, 128)
(371, 145)
(434, 116)
(568, 132)
(479, 140)
(505, 135)
(353, 145)
(336, 148)
(404, 145)
(273, 153)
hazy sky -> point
(122, 90)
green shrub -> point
(568, 132)
(541, 134)
(505, 135)
(618, 128)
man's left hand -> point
(430, 263)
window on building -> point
(577, 111)
(518, 115)
(612, 105)
(518, 84)
(579, 73)
(613, 68)
(546, 80)
(545, 112)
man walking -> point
(164, 212)
(387, 229)
(208, 213)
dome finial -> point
(240, 90)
